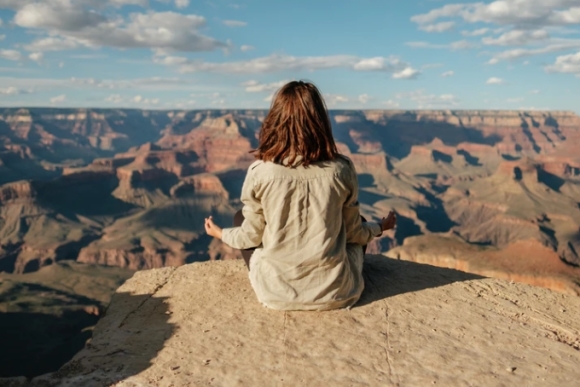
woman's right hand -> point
(389, 222)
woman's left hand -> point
(212, 229)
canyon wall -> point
(130, 188)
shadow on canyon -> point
(42, 328)
(402, 131)
(35, 343)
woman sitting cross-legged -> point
(300, 221)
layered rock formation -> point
(131, 188)
(201, 324)
(508, 131)
(38, 143)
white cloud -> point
(453, 46)
(253, 86)
(334, 99)
(517, 53)
(88, 56)
(234, 23)
(517, 38)
(478, 32)
(525, 13)
(137, 85)
(408, 73)
(170, 60)
(1, 22)
(58, 99)
(370, 64)
(245, 48)
(462, 45)
(495, 81)
(57, 17)
(566, 64)
(391, 104)
(12, 91)
(535, 92)
(189, 104)
(448, 74)
(521, 13)
(364, 98)
(137, 100)
(392, 64)
(11, 55)
(182, 3)
(52, 44)
(276, 63)
(438, 27)
(2, 37)
(515, 100)
(521, 23)
(146, 101)
(422, 100)
(269, 98)
(84, 23)
(36, 56)
(119, 3)
(114, 98)
(218, 102)
(13, 4)
(448, 10)
(99, 4)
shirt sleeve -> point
(249, 234)
(357, 231)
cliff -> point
(47, 316)
(416, 325)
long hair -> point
(297, 125)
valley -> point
(130, 188)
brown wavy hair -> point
(297, 125)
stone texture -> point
(415, 325)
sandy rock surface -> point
(416, 325)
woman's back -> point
(301, 210)
(308, 258)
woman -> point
(301, 210)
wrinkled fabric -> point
(305, 224)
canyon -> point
(130, 188)
(494, 193)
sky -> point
(362, 54)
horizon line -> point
(266, 109)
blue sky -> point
(369, 54)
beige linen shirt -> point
(306, 225)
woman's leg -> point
(246, 254)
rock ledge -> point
(416, 325)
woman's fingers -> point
(390, 221)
